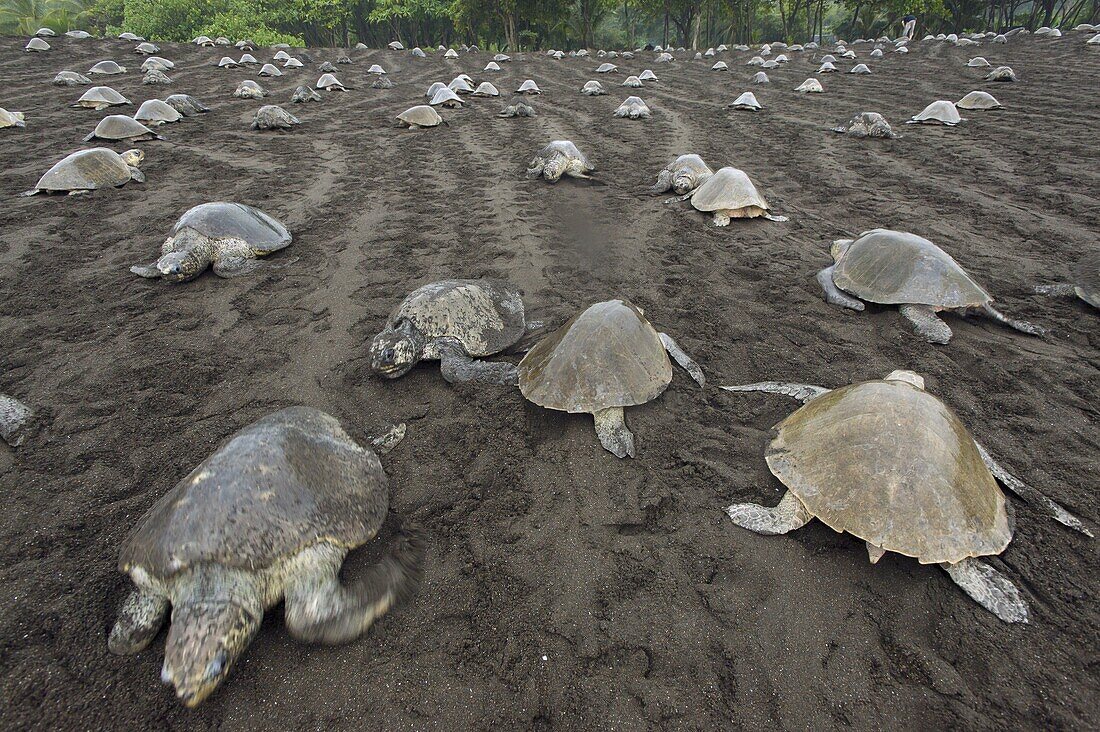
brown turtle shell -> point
(896, 267)
(292, 479)
(891, 464)
(90, 169)
(607, 356)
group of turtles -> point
(273, 512)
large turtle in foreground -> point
(1085, 284)
(898, 268)
(891, 464)
(87, 170)
(270, 516)
(683, 175)
(604, 359)
(229, 236)
(454, 322)
(560, 157)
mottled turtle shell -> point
(485, 315)
(690, 163)
(222, 220)
(421, 115)
(120, 127)
(890, 463)
(729, 190)
(86, 170)
(566, 148)
(896, 267)
(607, 356)
(70, 78)
(288, 481)
(1087, 279)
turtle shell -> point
(486, 315)
(86, 170)
(607, 356)
(690, 163)
(222, 220)
(70, 78)
(101, 95)
(11, 119)
(891, 464)
(154, 111)
(107, 67)
(978, 100)
(486, 89)
(566, 148)
(1087, 279)
(896, 267)
(421, 115)
(729, 189)
(292, 479)
(120, 127)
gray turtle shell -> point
(120, 127)
(729, 189)
(1087, 279)
(896, 267)
(156, 111)
(486, 315)
(185, 104)
(101, 95)
(70, 78)
(290, 480)
(607, 356)
(86, 170)
(566, 148)
(224, 220)
(107, 67)
(421, 115)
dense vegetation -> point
(529, 24)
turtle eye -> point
(388, 354)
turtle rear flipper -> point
(663, 184)
(685, 361)
(139, 620)
(614, 435)
(927, 324)
(1021, 325)
(801, 392)
(149, 271)
(458, 368)
(788, 515)
(990, 589)
(137, 175)
(833, 295)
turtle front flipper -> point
(321, 610)
(927, 324)
(801, 392)
(1061, 289)
(459, 368)
(664, 182)
(833, 295)
(685, 361)
(149, 271)
(614, 435)
(990, 589)
(1021, 325)
(233, 258)
(536, 169)
(139, 620)
(386, 442)
(1031, 495)
(788, 515)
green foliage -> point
(182, 20)
(24, 17)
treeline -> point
(534, 24)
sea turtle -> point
(529, 87)
(203, 41)
(898, 268)
(155, 77)
(648, 75)
(395, 46)
(860, 69)
(460, 85)
(755, 61)
(1001, 73)
(328, 82)
(229, 236)
(147, 48)
(593, 89)
(492, 66)
(720, 66)
(455, 322)
(978, 100)
(155, 112)
(419, 116)
(268, 517)
(486, 89)
(604, 359)
(128, 36)
(436, 86)
(450, 54)
(664, 58)
(760, 78)
(36, 44)
(1085, 285)
(222, 41)
(344, 59)
(978, 62)
(560, 157)
(158, 63)
(938, 113)
(78, 34)
(877, 53)
(418, 53)
(70, 78)
(868, 124)
(249, 89)
(891, 464)
(1094, 41)
(746, 101)
(270, 70)
(729, 194)
(518, 107)
(292, 63)
(12, 119)
(50, 33)
(381, 82)
(376, 69)
(682, 175)
(811, 86)
(305, 94)
(120, 127)
(87, 170)
(327, 68)
(227, 63)
(248, 59)
(826, 67)
(632, 81)
(446, 98)
(186, 105)
(502, 58)
(633, 108)
(107, 68)
(246, 44)
(272, 117)
(606, 68)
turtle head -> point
(683, 183)
(181, 266)
(395, 350)
(909, 377)
(839, 247)
(555, 167)
(133, 158)
(204, 641)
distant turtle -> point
(70, 78)
(128, 36)
(810, 86)
(518, 107)
(450, 54)
(978, 100)
(376, 69)
(12, 119)
(492, 66)
(633, 108)
(898, 268)
(760, 78)
(501, 58)
(593, 89)
(156, 77)
(435, 86)
(16, 421)
(529, 87)
(186, 105)
(327, 68)
(418, 117)
(268, 517)
(305, 94)
(891, 464)
(227, 63)
(395, 46)
(270, 70)
(50, 33)
(78, 34)
(486, 89)
(648, 75)
(87, 170)
(720, 66)
(107, 68)
(604, 359)
(632, 81)
(158, 63)
(147, 48)
(978, 62)
(682, 175)
(746, 101)
(120, 127)
(249, 89)
(607, 69)
(938, 113)
(344, 59)
(248, 59)
(328, 82)
(1001, 73)
(560, 157)
(229, 236)
(446, 98)
(860, 69)
(1085, 284)
(154, 112)
(272, 117)
(729, 194)
(664, 58)
(382, 82)
(755, 61)
(419, 53)
(36, 44)
(826, 67)
(455, 322)
(868, 124)
(292, 63)
(203, 41)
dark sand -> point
(564, 588)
